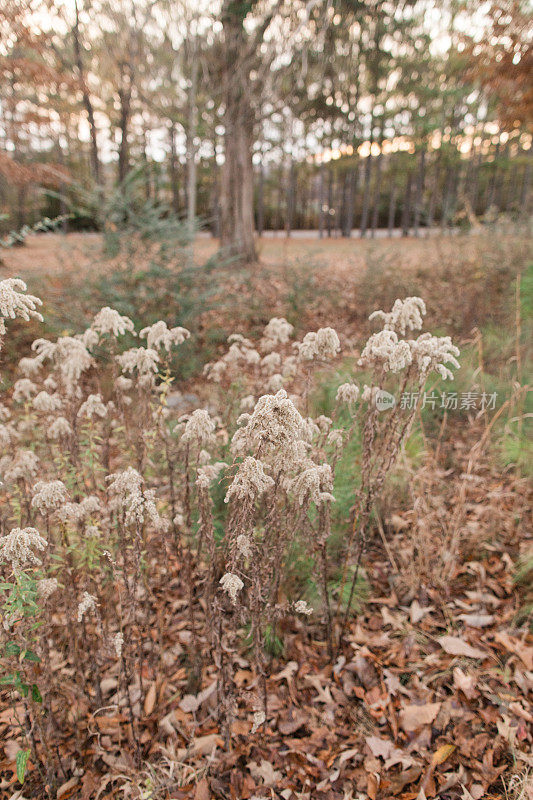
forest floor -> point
(56, 252)
(430, 695)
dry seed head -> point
(314, 483)
(347, 393)
(15, 303)
(47, 403)
(60, 428)
(406, 315)
(278, 331)
(433, 353)
(23, 389)
(384, 350)
(274, 423)
(24, 465)
(18, 545)
(49, 495)
(117, 643)
(250, 482)
(46, 588)
(142, 359)
(108, 320)
(301, 607)
(322, 345)
(209, 473)
(87, 603)
(93, 407)
(29, 366)
(159, 336)
(232, 585)
(199, 428)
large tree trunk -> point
(87, 102)
(261, 199)
(237, 182)
(123, 150)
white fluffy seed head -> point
(47, 403)
(49, 495)
(23, 389)
(86, 604)
(434, 353)
(232, 585)
(301, 607)
(92, 407)
(347, 393)
(159, 336)
(199, 428)
(384, 350)
(250, 482)
(142, 360)
(108, 320)
(46, 588)
(60, 428)
(406, 315)
(18, 545)
(321, 346)
(14, 302)
(274, 424)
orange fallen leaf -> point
(149, 700)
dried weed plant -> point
(110, 502)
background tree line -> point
(339, 115)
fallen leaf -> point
(379, 747)
(265, 771)
(456, 646)
(466, 683)
(65, 790)
(202, 790)
(202, 746)
(413, 717)
(416, 612)
(149, 700)
(294, 721)
(477, 620)
(443, 753)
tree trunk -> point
(406, 210)
(392, 207)
(237, 182)
(261, 200)
(350, 201)
(419, 191)
(87, 102)
(330, 200)
(366, 195)
(123, 150)
(173, 169)
(321, 201)
(377, 192)
(291, 197)
(191, 135)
